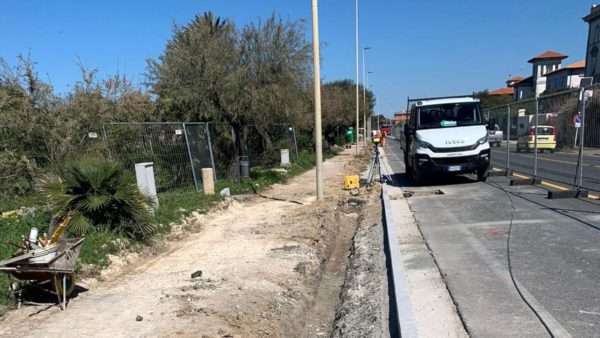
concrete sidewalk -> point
(424, 305)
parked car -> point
(495, 136)
(546, 139)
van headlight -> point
(483, 140)
(423, 145)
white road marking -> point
(496, 223)
(593, 217)
(589, 313)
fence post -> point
(535, 143)
(190, 156)
(210, 150)
(508, 124)
(105, 138)
(295, 142)
(581, 140)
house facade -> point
(592, 57)
(523, 89)
(568, 77)
(508, 90)
(543, 65)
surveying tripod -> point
(375, 167)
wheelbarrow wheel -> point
(57, 284)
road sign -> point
(577, 120)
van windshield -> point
(449, 115)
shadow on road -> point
(43, 295)
(404, 181)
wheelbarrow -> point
(50, 268)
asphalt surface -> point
(555, 252)
(559, 167)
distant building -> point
(502, 92)
(400, 117)
(523, 89)
(542, 65)
(592, 64)
(547, 62)
(513, 80)
(567, 77)
(508, 90)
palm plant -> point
(100, 195)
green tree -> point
(490, 101)
(211, 71)
(339, 106)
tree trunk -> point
(266, 138)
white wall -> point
(574, 80)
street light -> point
(317, 71)
(584, 94)
(365, 76)
(357, 81)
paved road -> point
(555, 258)
(559, 167)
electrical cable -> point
(509, 262)
(557, 210)
(274, 198)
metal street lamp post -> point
(357, 81)
(365, 77)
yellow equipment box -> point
(351, 182)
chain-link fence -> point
(179, 151)
(541, 137)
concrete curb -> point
(405, 318)
(423, 303)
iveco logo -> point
(454, 142)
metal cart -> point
(51, 268)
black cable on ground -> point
(509, 262)
(273, 198)
(557, 210)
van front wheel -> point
(482, 175)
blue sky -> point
(420, 48)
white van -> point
(445, 136)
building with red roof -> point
(507, 91)
(567, 77)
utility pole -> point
(317, 70)
(586, 84)
(357, 81)
(365, 84)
